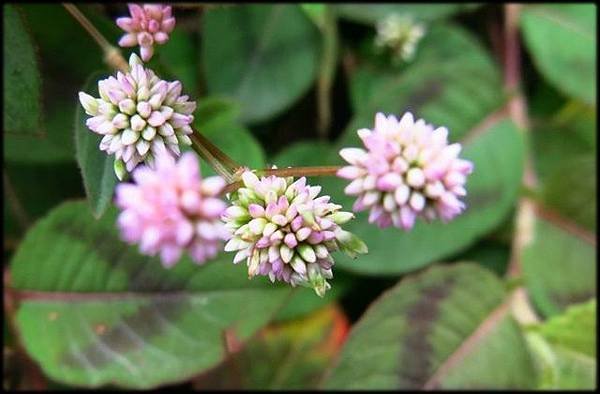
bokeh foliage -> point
(424, 309)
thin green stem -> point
(328, 66)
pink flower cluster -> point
(139, 115)
(148, 24)
(171, 209)
(283, 230)
(407, 171)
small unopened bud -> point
(120, 170)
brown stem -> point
(300, 171)
(215, 157)
(283, 172)
(525, 217)
(112, 55)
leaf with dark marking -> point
(445, 328)
(94, 311)
(559, 266)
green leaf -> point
(452, 82)
(559, 267)
(303, 153)
(370, 13)
(492, 255)
(565, 161)
(96, 166)
(571, 190)
(113, 316)
(264, 56)
(575, 329)
(562, 41)
(302, 303)
(63, 76)
(565, 348)
(66, 45)
(559, 368)
(178, 59)
(22, 83)
(316, 12)
(291, 356)
(445, 328)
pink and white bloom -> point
(170, 210)
(149, 24)
(408, 170)
(284, 231)
(139, 116)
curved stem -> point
(112, 55)
(525, 217)
(283, 172)
(300, 171)
(223, 165)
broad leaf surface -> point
(565, 348)
(96, 166)
(22, 82)
(559, 267)
(95, 312)
(264, 56)
(445, 328)
(562, 41)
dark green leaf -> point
(96, 166)
(111, 315)
(562, 42)
(559, 267)
(445, 328)
(265, 56)
(22, 83)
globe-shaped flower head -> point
(139, 115)
(172, 209)
(283, 230)
(407, 171)
(148, 24)
(400, 34)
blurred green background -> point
(290, 85)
